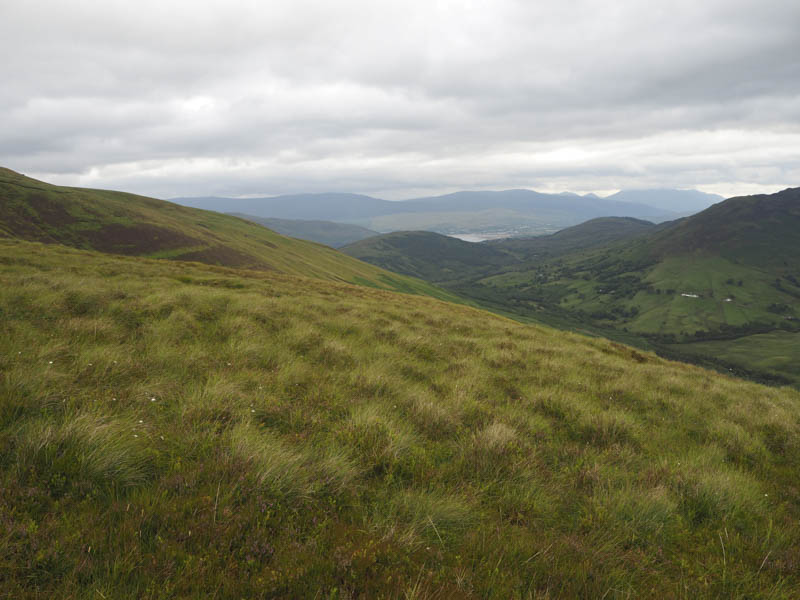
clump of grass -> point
(84, 453)
(497, 438)
(423, 517)
(290, 473)
(435, 418)
(376, 440)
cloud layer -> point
(397, 99)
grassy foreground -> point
(180, 430)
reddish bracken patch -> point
(50, 212)
(224, 256)
(137, 239)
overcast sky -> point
(399, 99)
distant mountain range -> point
(516, 212)
(678, 201)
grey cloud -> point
(271, 97)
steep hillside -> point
(592, 233)
(753, 230)
(173, 430)
(121, 223)
(329, 233)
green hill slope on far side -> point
(121, 223)
(428, 255)
(592, 233)
(173, 429)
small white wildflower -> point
(152, 399)
(252, 410)
(134, 435)
(50, 362)
(140, 421)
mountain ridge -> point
(464, 211)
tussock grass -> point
(290, 473)
(176, 430)
(84, 453)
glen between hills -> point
(721, 287)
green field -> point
(777, 352)
(172, 429)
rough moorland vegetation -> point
(182, 430)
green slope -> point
(595, 232)
(760, 230)
(172, 430)
(122, 223)
(729, 272)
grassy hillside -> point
(329, 233)
(762, 230)
(592, 233)
(183, 430)
(122, 223)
